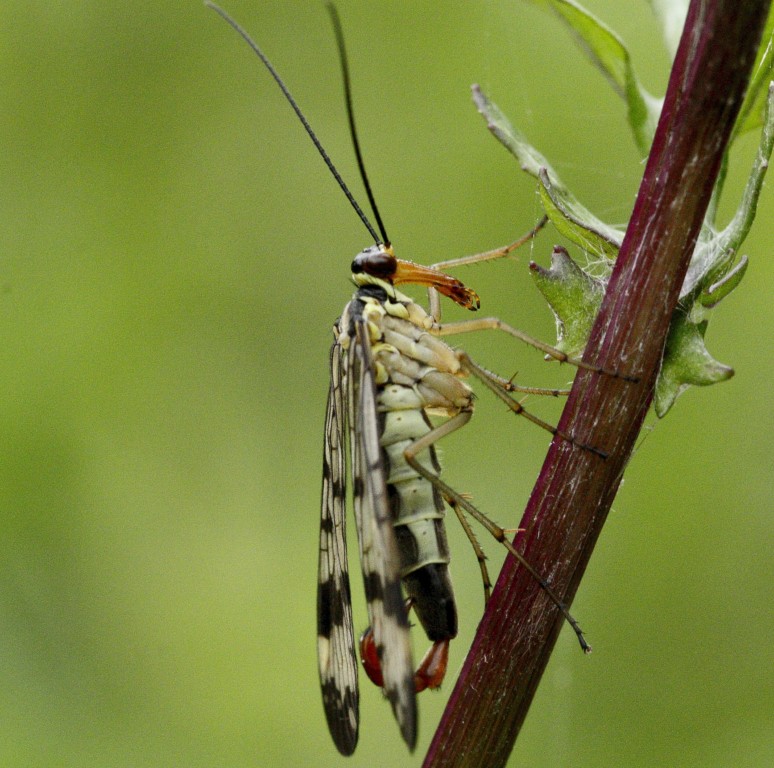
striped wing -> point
(335, 635)
(379, 555)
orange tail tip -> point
(408, 272)
(429, 674)
(370, 658)
(432, 669)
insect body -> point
(387, 373)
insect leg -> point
(502, 389)
(509, 386)
(495, 530)
(494, 323)
(480, 556)
(494, 254)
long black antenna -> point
(305, 123)
(351, 116)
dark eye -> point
(375, 263)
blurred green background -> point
(173, 256)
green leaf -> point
(716, 252)
(574, 297)
(686, 362)
(529, 158)
(576, 223)
(751, 115)
(718, 291)
(569, 216)
(611, 56)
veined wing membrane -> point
(335, 633)
(379, 556)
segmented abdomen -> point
(414, 385)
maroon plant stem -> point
(575, 489)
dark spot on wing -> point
(374, 586)
(341, 711)
(331, 599)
